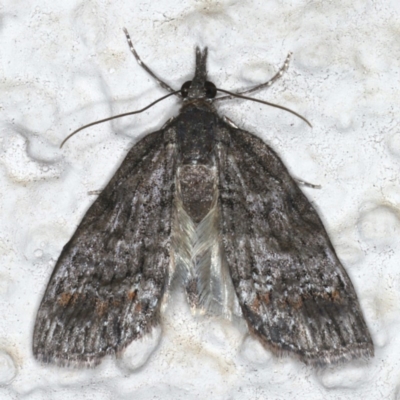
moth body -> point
(196, 243)
(215, 205)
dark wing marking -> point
(294, 293)
(107, 285)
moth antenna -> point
(269, 83)
(116, 116)
(144, 66)
(267, 103)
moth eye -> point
(185, 88)
(211, 90)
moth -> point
(209, 204)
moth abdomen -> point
(197, 185)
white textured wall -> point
(66, 63)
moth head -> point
(199, 87)
(190, 91)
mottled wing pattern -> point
(108, 283)
(294, 293)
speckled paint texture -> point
(64, 64)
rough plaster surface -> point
(64, 64)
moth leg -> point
(269, 83)
(307, 184)
(94, 192)
(144, 66)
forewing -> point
(294, 293)
(107, 285)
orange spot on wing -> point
(116, 303)
(296, 302)
(138, 308)
(64, 298)
(132, 294)
(336, 296)
(101, 307)
(255, 304)
(267, 298)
